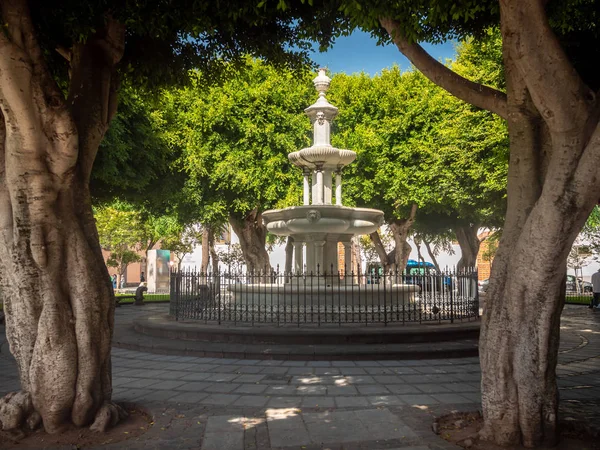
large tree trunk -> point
(252, 235)
(553, 184)
(59, 303)
(400, 229)
(386, 259)
(469, 245)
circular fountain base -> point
(320, 294)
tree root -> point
(107, 416)
(16, 410)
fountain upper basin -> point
(312, 219)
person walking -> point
(596, 288)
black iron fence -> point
(328, 298)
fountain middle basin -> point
(311, 219)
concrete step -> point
(249, 343)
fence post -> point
(452, 294)
(476, 305)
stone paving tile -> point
(418, 399)
(223, 433)
(301, 371)
(343, 364)
(402, 389)
(318, 402)
(249, 378)
(193, 376)
(351, 402)
(251, 389)
(388, 379)
(222, 388)
(159, 396)
(274, 370)
(166, 385)
(354, 370)
(385, 400)
(311, 390)
(286, 428)
(382, 424)
(250, 369)
(220, 399)
(370, 389)
(193, 386)
(251, 400)
(342, 390)
(432, 388)
(189, 397)
(285, 402)
(221, 377)
(281, 390)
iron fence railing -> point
(324, 298)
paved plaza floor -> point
(231, 404)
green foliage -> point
(165, 39)
(417, 144)
(136, 161)
(236, 138)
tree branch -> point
(93, 89)
(474, 93)
(558, 92)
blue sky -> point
(360, 52)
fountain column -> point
(327, 188)
(319, 200)
(298, 257)
(347, 257)
(306, 187)
(338, 188)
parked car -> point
(578, 285)
(417, 272)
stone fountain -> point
(319, 225)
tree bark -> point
(205, 250)
(553, 184)
(386, 259)
(432, 255)
(252, 235)
(400, 229)
(59, 303)
(469, 245)
(214, 257)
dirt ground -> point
(462, 428)
(135, 425)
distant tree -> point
(182, 240)
(120, 230)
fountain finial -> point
(322, 82)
